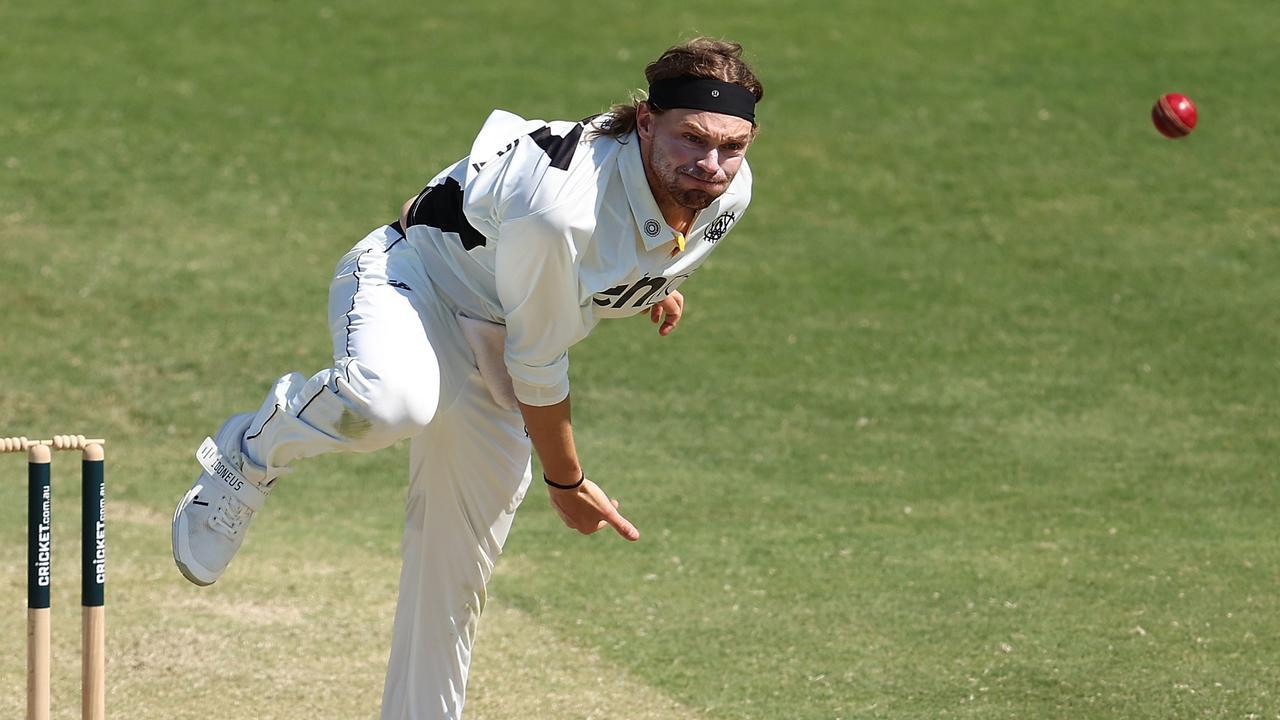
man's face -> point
(691, 156)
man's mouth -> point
(703, 181)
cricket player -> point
(452, 325)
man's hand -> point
(668, 312)
(587, 509)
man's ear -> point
(644, 121)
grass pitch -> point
(974, 416)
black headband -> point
(698, 93)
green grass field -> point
(975, 415)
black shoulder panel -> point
(440, 206)
(559, 149)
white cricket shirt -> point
(546, 230)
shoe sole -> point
(178, 532)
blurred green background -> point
(974, 416)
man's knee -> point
(387, 404)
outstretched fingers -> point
(608, 509)
(621, 525)
(588, 509)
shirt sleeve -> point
(537, 283)
(523, 205)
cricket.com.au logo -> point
(719, 227)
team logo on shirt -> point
(629, 298)
(719, 227)
(651, 228)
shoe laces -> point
(230, 514)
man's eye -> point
(693, 138)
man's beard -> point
(692, 198)
(688, 198)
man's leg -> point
(385, 382)
(469, 470)
(385, 385)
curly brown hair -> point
(700, 57)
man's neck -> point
(677, 216)
(680, 218)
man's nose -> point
(710, 162)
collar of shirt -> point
(650, 223)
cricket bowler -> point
(452, 325)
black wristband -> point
(558, 486)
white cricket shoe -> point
(211, 519)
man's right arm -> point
(585, 508)
(537, 284)
(551, 430)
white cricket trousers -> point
(402, 369)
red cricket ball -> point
(1174, 115)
